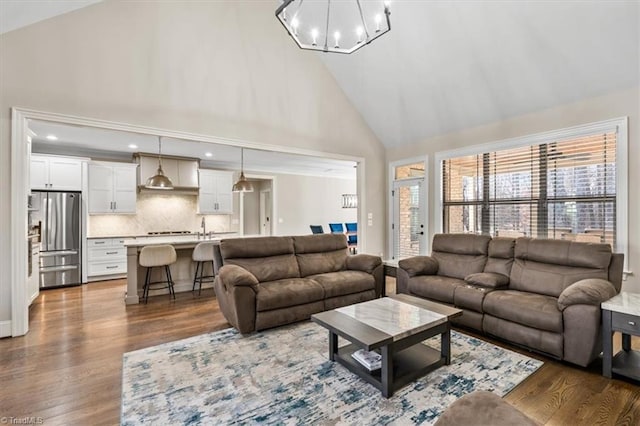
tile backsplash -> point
(157, 212)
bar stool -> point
(202, 253)
(154, 256)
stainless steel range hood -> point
(182, 171)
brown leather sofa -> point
(270, 281)
(542, 294)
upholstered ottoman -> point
(482, 408)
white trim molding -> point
(20, 162)
(5, 329)
(617, 125)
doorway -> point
(257, 208)
(408, 207)
(265, 212)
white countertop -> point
(625, 302)
(215, 234)
(178, 239)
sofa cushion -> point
(287, 292)
(500, 257)
(546, 341)
(549, 266)
(565, 253)
(317, 254)
(470, 297)
(270, 268)
(487, 279)
(467, 244)
(267, 258)
(434, 287)
(255, 247)
(458, 265)
(349, 299)
(344, 282)
(530, 309)
(548, 279)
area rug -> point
(283, 376)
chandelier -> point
(338, 27)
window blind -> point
(559, 189)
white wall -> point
(613, 105)
(308, 200)
(223, 68)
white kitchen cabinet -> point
(183, 172)
(112, 188)
(33, 283)
(56, 173)
(106, 257)
(215, 196)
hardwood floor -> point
(68, 368)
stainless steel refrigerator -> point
(60, 254)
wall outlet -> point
(370, 216)
(369, 222)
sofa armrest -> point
(591, 291)
(363, 262)
(237, 276)
(236, 290)
(487, 279)
(419, 265)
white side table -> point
(621, 313)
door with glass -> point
(408, 227)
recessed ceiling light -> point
(208, 154)
(52, 137)
(133, 146)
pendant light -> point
(159, 180)
(242, 185)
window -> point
(558, 187)
(409, 171)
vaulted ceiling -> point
(447, 66)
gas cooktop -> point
(170, 233)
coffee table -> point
(394, 326)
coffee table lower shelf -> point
(407, 365)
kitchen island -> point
(182, 271)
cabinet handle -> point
(115, 205)
(112, 252)
(112, 267)
(98, 242)
(632, 323)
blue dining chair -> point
(316, 229)
(352, 227)
(336, 228)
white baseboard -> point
(5, 328)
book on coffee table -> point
(371, 360)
